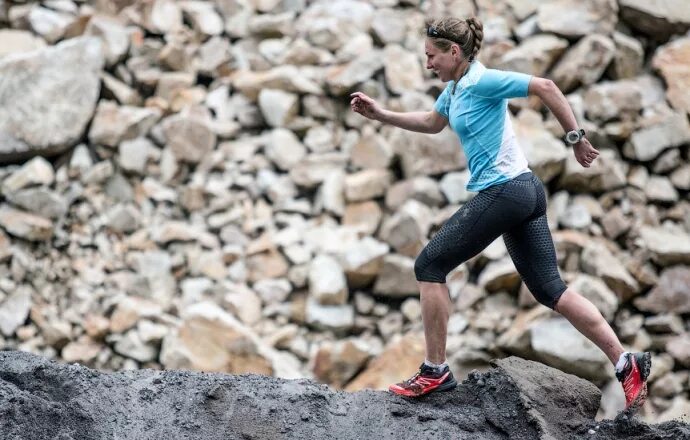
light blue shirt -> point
(478, 113)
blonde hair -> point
(468, 34)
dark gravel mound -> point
(518, 399)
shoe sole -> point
(644, 363)
(446, 386)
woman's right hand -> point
(364, 105)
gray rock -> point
(648, 142)
(327, 283)
(14, 310)
(396, 278)
(278, 107)
(18, 41)
(584, 63)
(667, 247)
(29, 88)
(581, 19)
(25, 225)
(113, 124)
(672, 292)
(658, 19)
(40, 201)
(558, 343)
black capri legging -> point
(517, 210)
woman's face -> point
(442, 63)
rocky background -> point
(184, 187)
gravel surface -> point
(517, 399)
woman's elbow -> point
(542, 87)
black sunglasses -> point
(435, 33)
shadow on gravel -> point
(517, 399)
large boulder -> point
(43, 110)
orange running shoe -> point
(425, 381)
(634, 378)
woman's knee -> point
(425, 270)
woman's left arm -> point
(553, 98)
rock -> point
(31, 89)
(327, 283)
(131, 345)
(203, 17)
(659, 20)
(40, 201)
(647, 143)
(37, 171)
(314, 168)
(190, 138)
(559, 344)
(615, 223)
(331, 25)
(243, 303)
(211, 340)
(286, 78)
(598, 292)
(454, 187)
(396, 278)
(605, 174)
(84, 350)
(18, 41)
(673, 62)
(113, 35)
(427, 155)
(394, 364)
(25, 225)
(584, 63)
(338, 318)
(421, 188)
(367, 184)
(629, 57)
(402, 69)
(364, 216)
(336, 363)
(535, 54)
(51, 25)
(402, 232)
(499, 275)
(284, 149)
(671, 293)
(322, 138)
(679, 348)
(134, 154)
(113, 124)
(14, 310)
(341, 79)
(362, 261)
(371, 151)
(660, 189)
(583, 17)
(613, 100)
(598, 261)
(278, 107)
(667, 248)
(679, 409)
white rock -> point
(327, 283)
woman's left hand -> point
(585, 153)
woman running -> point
(510, 201)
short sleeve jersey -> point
(478, 112)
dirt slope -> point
(517, 399)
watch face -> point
(573, 137)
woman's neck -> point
(461, 70)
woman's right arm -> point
(423, 122)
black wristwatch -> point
(574, 136)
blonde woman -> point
(510, 201)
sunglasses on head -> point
(435, 33)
